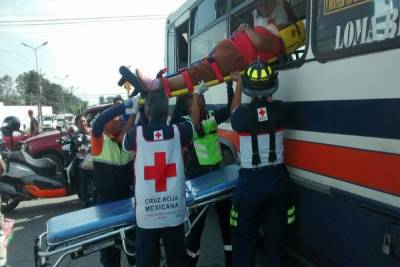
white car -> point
(49, 123)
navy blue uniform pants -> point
(222, 208)
(260, 200)
(84, 186)
(147, 246)
(111, 256)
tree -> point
(6, 86)
(53, 94)
(8, 93)
(27, 87)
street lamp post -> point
(61, 79)
(40, 117)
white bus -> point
(342, 144)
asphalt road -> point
(30, 221)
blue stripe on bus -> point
(372, 118)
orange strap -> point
(215, 68)
(187, 80)
(166, 86)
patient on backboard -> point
(264, 41)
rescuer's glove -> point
(201, 88)
(131, 105)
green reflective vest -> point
(113, 154)
(207, 147)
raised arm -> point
(222, 114)
(195, 107)
(237, 97)
(106, 116)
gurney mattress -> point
(100, 218)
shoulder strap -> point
(254, 139)
(272, 152)
(272, 145)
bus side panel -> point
(334, 231)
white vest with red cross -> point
(160, 181)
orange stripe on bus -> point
(230, 135)
(45, 193)
(376, 170)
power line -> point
(85, 18)
(80, 20)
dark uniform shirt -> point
(112, 181)
(246, 114)
(260, 126)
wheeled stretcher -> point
(86, 231)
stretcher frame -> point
(115, 235)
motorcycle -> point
(27, 178)
(77, 150)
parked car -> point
(64, 120)
(49, 123)
(45, 145)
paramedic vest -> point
(262, 118)
(113, 154)
(206, 144)
(112, 168)
(160, 181)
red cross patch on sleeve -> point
(158, 135)
(262, 114)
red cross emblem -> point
(262, 114)
(158, 135)
(160, 171)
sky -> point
(89, 53)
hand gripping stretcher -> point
(86, 231)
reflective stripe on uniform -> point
(291, 211)
(192, 254)
(228, 247)
(233, 218)
(291, 216)
(113, 154)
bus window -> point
(244, 16)
(349, 28)
(182, 45)
(206, 13)
(235, 3)
(299, 8)
(171, 49)
(202, 44)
